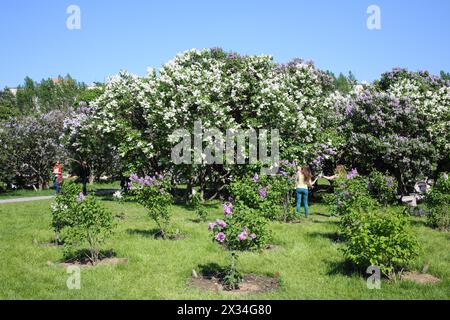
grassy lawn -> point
(26, 193)
(307, 258)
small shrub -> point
(380, 238)
(269, 195)
(153, 193)
(438, 200)
(351, 195)
(196, 203)
(79, 220)
(382, 187)
(63, 208)
(242, 229)
(232, 276)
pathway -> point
(99, 192)
(26, 199)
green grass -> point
(308, 259)
(27, 193)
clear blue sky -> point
(134, 35)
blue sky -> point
(136, 34)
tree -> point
(32, 146)
(387, 133)
(8, 104)
(223, 91)
(445, 75)
(85, 142)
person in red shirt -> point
(57, 176)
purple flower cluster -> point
(220, 237)
(262, 193)
(81, 197)
(232, 56)
(227, 209)
(352, 174)
(147, 181)
(325, 152)
(244, 235)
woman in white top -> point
(302, 182)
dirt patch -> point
(251, 284)
(422, 278)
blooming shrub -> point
(222, 90)
(382, 187)
(438, 199)
(389, 131)
(379, 238)
(242, 229)
(80, 220)
(153, 193)
(351, 194)
(29, 147)
(269, 195)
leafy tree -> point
(445, 75)
(8, 104)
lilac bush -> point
(31, 146)
(242, 230)
(388, 133)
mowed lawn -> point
(306, 256)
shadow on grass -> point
(153, 233)
(343, 267)
(82, 255)
(332, 236)
(157, 234)
(211, 270)
(418, 223)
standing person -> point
(57, 176)
(303, 180)
(84, 175)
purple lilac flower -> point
(255, 178)
(211, 226)
(352, 174)
(243, 236)
(227, 209)
(81, 197)
(221, 223)
(253, 236)
(389, 182)
(262, 193)
(220, 237)
(134, 178)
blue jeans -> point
(56, 185)
(302, 194)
